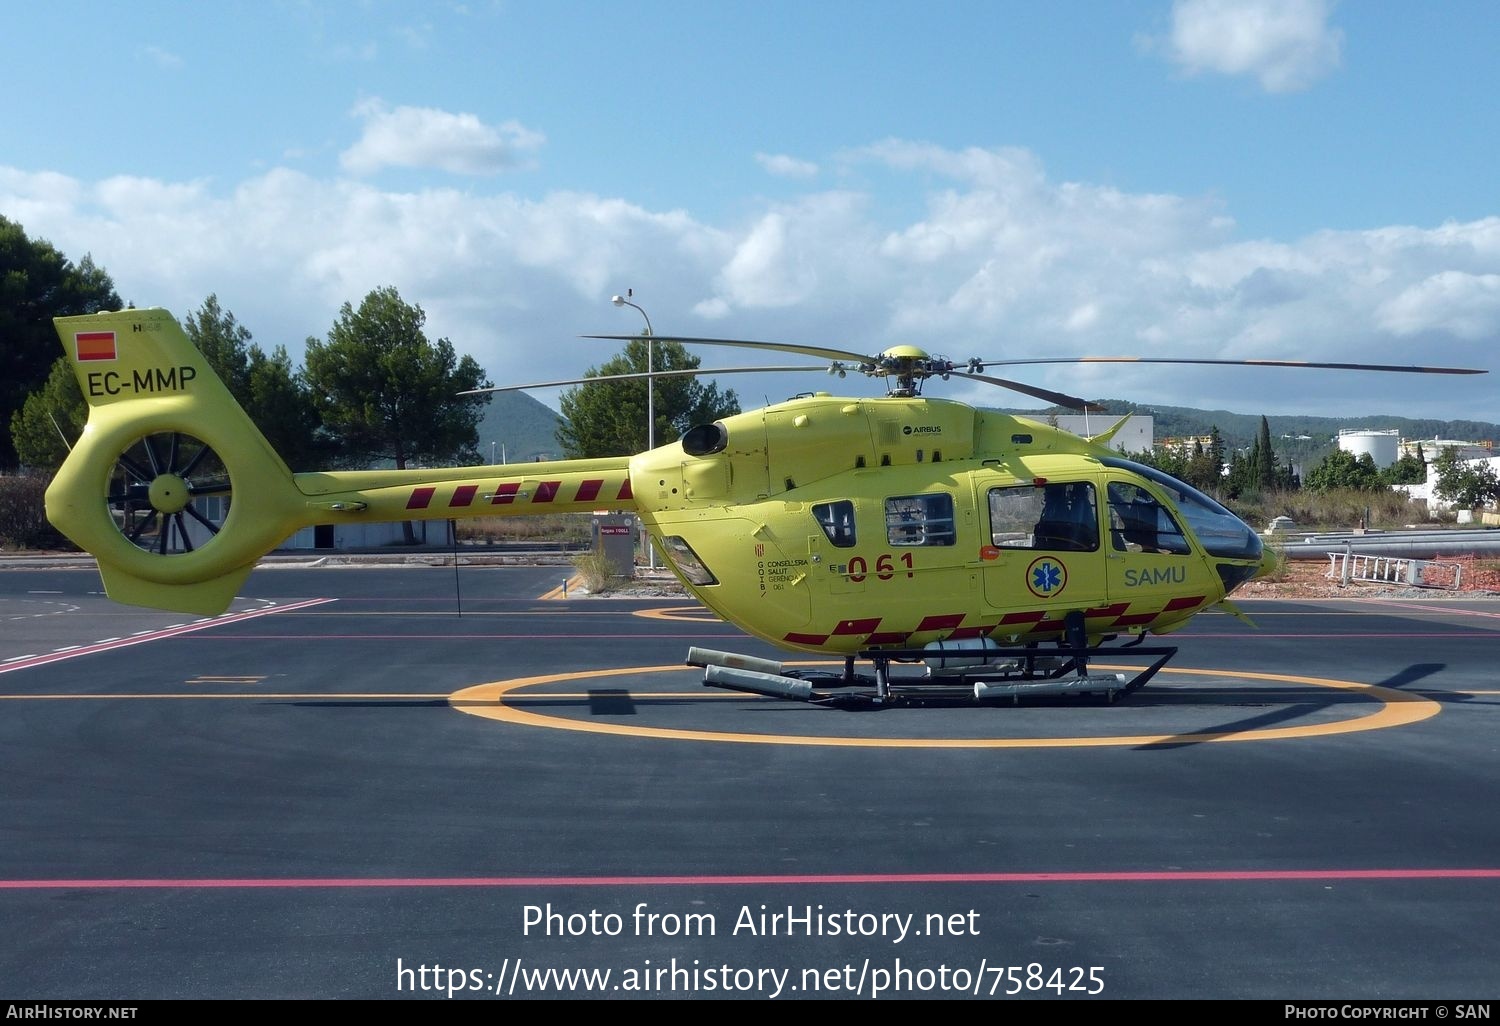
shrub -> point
(596, 571)
(566, 530)
(23, 514)
(1336, 509)
(1277, 564)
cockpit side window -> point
(1138, 523)
(1219, 531)
(837, 521)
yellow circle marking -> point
(1397, 708)
(691, 614)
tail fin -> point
(1104, 437)
(146, 488)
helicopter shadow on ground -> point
(1403, 679)
(1279, 706)
(1283, 713)
(1411, 674)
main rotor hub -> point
(910, 366)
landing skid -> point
(1030, 673)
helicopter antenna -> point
(66, 444)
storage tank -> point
(1383, 446)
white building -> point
(436, 533)
(1426, 490)
(1138, 434)
(1431, 448)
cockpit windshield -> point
(1219, 531)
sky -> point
(1000, 179)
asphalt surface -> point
(406, 783)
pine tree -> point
(608, 418)
(1265, 460)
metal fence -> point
(1350, 567)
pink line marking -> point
(1439, 608)
(1456, 633)
(1181, 876)
(460, 637)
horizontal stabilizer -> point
(205, 598)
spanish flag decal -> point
(95, 345)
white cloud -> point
(1008, 168)
(1460, 304)
(162, 58)
(418, 36)
(794, 253)
(1286, 45)
(422, 137)
(360, 52)
(40, 197)
(1003, 263)
(783, 166)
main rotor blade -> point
(1238, 363)
(642, 374)
(1057, 398)
(836, 355)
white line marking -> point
(74, 651)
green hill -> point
(1241, 428)
(522, 429)
(1294, 437)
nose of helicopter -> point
(1270, 562)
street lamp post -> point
(650, 402)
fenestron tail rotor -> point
(168, 493)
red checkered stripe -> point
(465, 496)
(1036, 621)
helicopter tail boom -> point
(177, 494)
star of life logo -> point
(1046, 577)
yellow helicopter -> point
(1000, 553)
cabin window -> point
(920, 519)
(1138, 523)
(1060, 517)
(686, 560)
(837, 521)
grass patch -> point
(597, 573)
(559, 528)
(1276, 567)
(1343, 509)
